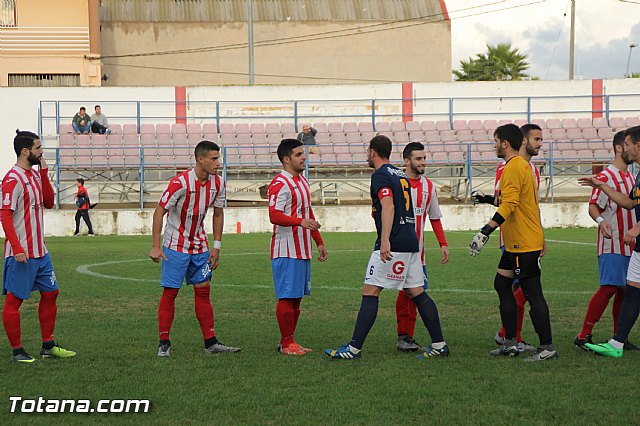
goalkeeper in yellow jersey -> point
(519, 217)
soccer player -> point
(631, 302)
(27, 266)
(530, 148)
(185, 251)
(294, 225)
(519, 217)
(613, 254)
(425, 205)
(395, 262)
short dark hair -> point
(80, 180)
(381, 145)
(97, 106)
(23, 139)
(633, 133)
(286, 147)
(618, 139)
(82, 108)
(510, 133)
(412, 146)
(527, 128)
(205, 146)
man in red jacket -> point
(83, 204)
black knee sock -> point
(429, 314)
(539, 312)
(508, 308)
(366, 317)
(628, 313)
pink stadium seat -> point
(335, 127)
(320, 127)
(130, 140)
(432, 136)
(584, 123)
(464, 135)
(114, 139)
(83, 140)
(257, 128)
(416, 136)
(271, 128)
(554, 123)
(213, 137)
(428, 126)
(259, 139)
(226, 129)
(489, 125)
(288, 128)
(328, 159)
(558, 134)
(382, 126)
(367, 136)
(443, 125)
(453, 147)
(574, 134)
(130, 129)
(397, 126)
(194, 139)
(262, 150)
(98, 141)
(163, 129)
(400, 137)
(344, 159)
(147, 129)
(209, 128)
(503, 122)
(632, 121)
(360, 159)
(616, 122)
(540, 122)
(341, 149)
(584, 154)
(601, 154)
(242, 128)
(590, 133)
(365, 126)
(600, 122)
(605, 133)
(337, 138)
(179, 139)
(178, 129)
(292, 135)
(546, 134)
(353, 138)
(275, 138)
(440, 157)
(456, 157)
(227, 139)
(194, 129)
(520, 122)
(67, 141)
(488, 156)
(413, 126)
(475, 125)
(569, 123)
(350, 127)
(480, 136)
(448, 136)
(485, 146)
(243, 138)
(65, 128)
(163, 139)
(460, 125)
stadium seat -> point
(442, 125)
(605, 133)
(600, 122)
(98, 141)
(194, 129)
(584, 123)
(257, 129)
(488, 156)
(456, 157)
(226, 129)
(432, 136)
(114, 139)
(569, 123)
(448, 136)
(353, 138)
(242, 129)
(271, 128)
(337, 138)
(617, 123)
(243, 138)
(179, 139)
(632, 121)
(178, 129)
(367, 136)
(65, 128)
(416, 136)
(540, 122)
(130, 129)
(475, 125)
(503, 121)
(66, 141)
(146, 129)
(480, 135)
(413, 126)
(554, 123)
(590, 133)
(397, 126)
(558, 134)
(464, 136)
(341, 149)
(382, 126)
(209, 128)
(489, 125)
(213, 137)
(344, 159)
(520, 122)
(428, 126)
(275, 138)
(546, 134)
(584, 155)
(334, 128)
(288, 128)
(166, 156)
(485, 146)
(460, 125)
(574, 134)
(227, 139)
(350, 127)
(453, 146)
(365, 126)
(601, 154)
(440, 157)
(259, 139)
(262, 150)
(400, 137)
(163, 129)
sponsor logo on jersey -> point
(7, 199)
(165, 197)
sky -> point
(603, 32)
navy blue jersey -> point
(403, 236)
(635, 196)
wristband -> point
(217, 244)
(599, 220)
(487, 230)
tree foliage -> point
(500, 63)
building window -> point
(8, 13)
(44, 80)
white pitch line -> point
(86, 270)
(579, 243)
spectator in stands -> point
(83, 204)
(99, 123)
(307, 137)
(81, 122)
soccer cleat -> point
(56, 352)
(546, 353)
(509, 348)
(432, 352)
(605, 349)
(628, 346)
(581, 343)
(23, 357)
(293, 349)
(407, 344)
(306, 350)
(524, 346)
(500, 340)
(343, 352)
(164, 350)
(219, 347)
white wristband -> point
(217, 244)
(599, 220)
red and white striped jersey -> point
(496, 186)
(188, 201)
(621, 219)
(291, 196)
(425, 206)
(22, 194)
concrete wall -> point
(414, 53)
(333, 219)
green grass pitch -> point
(107, 313)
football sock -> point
(405, 314)
(204, 310)
(296, 313)
(285, 314)
(508, 309)
(597, 306)
(11, 320)
(520, 302)
(429, 314)
(617, 304)
(616, 344)
(539, 312)
(166, 311)
(365, 320)
(438, 345)
(47, 309)
(628, 313)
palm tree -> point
(500, 62)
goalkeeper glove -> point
(479, 240)
(478, 197)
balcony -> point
(16, 40)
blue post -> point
(141, 178)
(528, 109)
(469, 169)
(58, 117)
(551, 171)
(138, 115)
(218, 115)
(451, 112)
(373, 113)
(224, 168)
(57, 178)
(295, 115)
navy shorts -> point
(180, 267)
(20, 279)
(291, 277)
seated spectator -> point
(307, 137)
(99, 123)
(81, 122)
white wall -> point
(333, 219)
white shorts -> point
(633, 273)
(404, 270)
